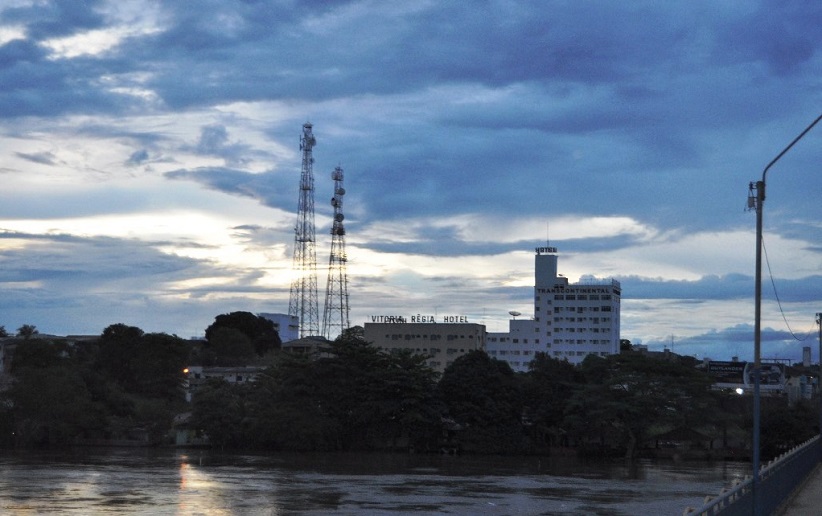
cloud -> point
(267, 188)
(465, 131)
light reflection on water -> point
(168, 482)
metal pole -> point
(760, 200)
(819, 378)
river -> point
(138, 481)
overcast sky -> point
(150, 159)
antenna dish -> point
(514, 313)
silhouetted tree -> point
(259, 330)
(27, 331)
(547, 387)
(482, 397)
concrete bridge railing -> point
(778, 479)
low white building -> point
(198, 375)
(570, 321)
(441, 342)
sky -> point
(150, 160)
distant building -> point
(442, 342)
(287, 326)
(198, 375)
(315, 345)
(570, 322)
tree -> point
(49, 402)
(259, 330)
(230, 347)
(482, 397)
(35, 353)
(352, 333)
(157, 365)
(3, 332)
(624, 345)
(287, 401)
(547, 387)
(149, 365)
(355, 397)
(117, 347)
(27, 331)
(218, 410)
(404, 402)
(626, 395)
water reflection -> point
(165, 482)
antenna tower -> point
(335, 314)
(303, 298)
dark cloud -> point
(268, 188)
(43, 158)
(137, 157)
(713, 287)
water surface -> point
(134, 481)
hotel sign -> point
(419, 318)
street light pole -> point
(819, 378)
(759, 201)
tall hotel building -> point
(571, 321)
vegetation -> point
(127, 385)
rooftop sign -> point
(419, 318)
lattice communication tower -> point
(335, 314)
(303, 298)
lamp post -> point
(758, 201)
(819, 378)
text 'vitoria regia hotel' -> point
(570, 321)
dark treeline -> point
(356, 397)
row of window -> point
(434, 351)
(581, 330)
(582, 297)
(578, 353)
(510, 352)
(398, 336)
(580, 309)
(581, 341)
(592, 320)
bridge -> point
(789, 485)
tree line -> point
(354, 396)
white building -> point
(570, 322)
(196, 376)
(287, 326)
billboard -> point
(741, 374)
